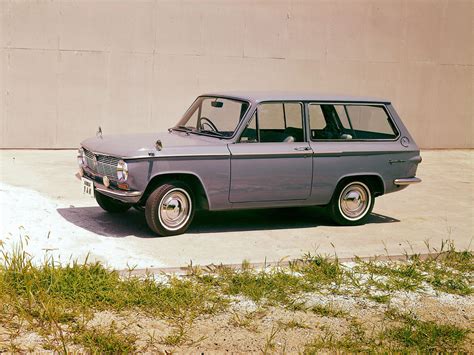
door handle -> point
(302, 148)
(397, 161)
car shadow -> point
(133, 223)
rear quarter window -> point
(350, 122)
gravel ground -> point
(45, 233)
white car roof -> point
(259, 96)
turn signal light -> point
(123, 186)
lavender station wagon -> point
(244, 150)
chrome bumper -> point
(406, 181)
(124, 196)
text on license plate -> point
(88, 187)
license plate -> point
(88, 187)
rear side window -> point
(350, 121)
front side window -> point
(275, 122)
(213, 116)
(350, 121)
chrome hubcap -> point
(175, 208)
(354, 201)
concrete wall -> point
(129, 66)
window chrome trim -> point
(239, 124)
(255, 112)
(345, 103)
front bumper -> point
(121, 195)
(406, 181)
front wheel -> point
(352, 203)
(169, 209)
(110, 205)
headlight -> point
(80, 157)
(122, 170)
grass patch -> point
(353, 340)
(278, 285)
(408, 335)
(267, 286)
(81, 286)
(428, 336)
(57, 302)
(328, 311)
(379, 298)
(109, 341)
(448, 270)
(247, 320)
(50, 297)
(293, 324)
(319, 270)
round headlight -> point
(80, 157)
(122, 170)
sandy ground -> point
(246, 327)
(40, 198)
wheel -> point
(169, 209)
(110, 205)
(352, 203)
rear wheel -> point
(110, 205)
(352, 203)
(170, 208)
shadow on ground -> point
(133, 222)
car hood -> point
(142, 144)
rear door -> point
(272, 161)
(355, 139)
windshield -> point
(213, 116)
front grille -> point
(102, 164)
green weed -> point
(328, 311)
(426, 336)
(106, 341)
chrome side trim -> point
(318, 153)
(296, 153)
(185, 155)
(406, 181)
(329, 154)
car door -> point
(272, 160)
(355, 139)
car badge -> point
(158, 145)
(405, 142)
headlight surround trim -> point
(81, 159)
(122, 171)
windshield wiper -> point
(183, 129)
(208, 132)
